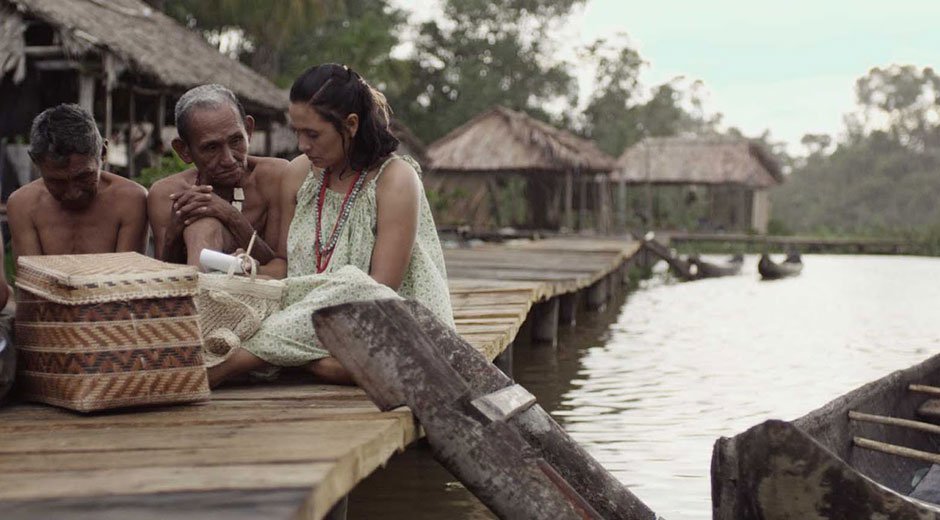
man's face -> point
(74, 184)
(218, 145)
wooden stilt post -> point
(597, 295)
(129, 133)
(582, 203)
(591, 480)
(338, 512)
(108, 108)
(504, 360)
(612, 285)
(545, 322)
(86, 93)
(568, 308)
(621, 206)
(569, 199)
(269, 138)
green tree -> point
(262, 29)
(904, 96)
(484, 53)
(361, 35)
(620, 112)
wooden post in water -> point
(597, 295)
(390, 355)
(568, 308)
(605, 493)
(545, 322)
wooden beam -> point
(894, 421)
(129, 133)
(86, 92)
(383, 346)
(569, 199)
(605, 493)
(900, 451)
(43, 51)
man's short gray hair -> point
(203, 96)
(61, 131)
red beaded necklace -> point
(323, 255)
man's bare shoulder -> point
(269, 165)
(27, 197)
(124, 189)
(174, 183)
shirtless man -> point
(74, 207)
(227, 195)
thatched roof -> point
(148, 43)
(698, 160)
(501, 140)
(410, 143)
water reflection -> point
(649, 385)
(687, 363)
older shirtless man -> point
(74, 207)
(227, 195)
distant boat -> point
(705, 269)
(771, 270)
(871, 453)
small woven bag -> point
(231, 308)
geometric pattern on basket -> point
(110, 361)
(87, 393)
(95, 336)
(41, 310)
(80, 279)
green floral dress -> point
(287, 338)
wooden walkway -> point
(275, 451)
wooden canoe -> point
(770, 270)
(861, 456)
(705, 269)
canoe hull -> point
(770, 270)
(809, 468)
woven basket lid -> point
(107, 277)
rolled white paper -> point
(210, 259)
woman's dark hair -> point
(335, 91)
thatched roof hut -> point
(698, 160)
(522, 166)
(143, 42)
(504, 140)
(123, 61)
(733, 174)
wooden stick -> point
(893, 421)
(924, 389)
(900, 451)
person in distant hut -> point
(74, 207)
(227, 195)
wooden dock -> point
(284, 450)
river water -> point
(649, 384)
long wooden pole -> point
(894, 421)
(900, 451)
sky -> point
(789, 67)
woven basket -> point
(231, 309)
(103, 331)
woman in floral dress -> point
(356, 225)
